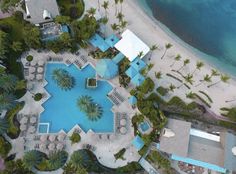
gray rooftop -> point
(36, 8)
(178, 144)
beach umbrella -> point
(42, 146)
(33, 120)
(31, 129)
(52, 137)
(43, 137)
(61, 136)
(123, 130)
(51, 146)
(31, 76)
(24, 120)
(32, 69)
(40, 70)
(40, 63)
(33, 63)
(123, 122)
(60, 146)
(22, 127)
(39, 76)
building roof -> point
(177, 144)
(132, 100)
(106, 68)
(130, 45)
(138, 79)
(138, 64)
(229, 157)
(40, 11)
(131, 72)
(98, 42)
(138, 142)
(112, 40)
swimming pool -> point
(144, 126)
(61, 111)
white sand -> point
(151, 33)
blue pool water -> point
(144, 126)
(207, 25)
(61, 111)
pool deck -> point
(105, 147)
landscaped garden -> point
(72, 8)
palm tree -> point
(121, 2)
(57, 159)
(63, 79)
(177, 58)
(206, 78)
(76, 159)
(167, 46)
(158, 75)
(115, 27)
(190, 95)
(214, 73)
(189, 78)
(91, 11)
(152, 48)
(32, 158)
(104, 21)
(7, 101)
(4, 125)
(140, 54)
(186, 61)
(120, 16)
(123, 24)
(116, 3)
(199, 65)
(7, 82)
(172, 87)
(105, 5)
(94, 112)
(83, 102)
(223, 78)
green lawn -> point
(66, 5)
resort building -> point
(195, 147)
(41, 11)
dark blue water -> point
(207, 25)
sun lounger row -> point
(121, 98)
(89, 147)
(55, 59)
(113, 99)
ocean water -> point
(61, 111)
(207, 26)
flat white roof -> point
(130, 45)
(205, 135)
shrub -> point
(29, 58)
(74, 12)
(5, 147)
(147, 86)
(75, 138)
(38, 96)
(132, 167)
(162, 91)
(18, 16)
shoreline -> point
(150, 33)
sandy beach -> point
(151, 33)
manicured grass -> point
(66, 5)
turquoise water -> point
(43, 128)
(207, 25)
(144, 126)
(61, 111)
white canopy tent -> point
(130, 45)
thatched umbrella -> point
(22, 127)
(31, 76)
(32, 69)
(39, 77)
(40, 63)
(123, 130)
(43, 137)
(40, 70)
(52, 138)
(24, 120)
(51, 146)
(122, 122)
(32, 129)
(60, 146)
(33, 63)
(42, 146)
(61, 136)
(33, 120)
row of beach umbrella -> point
(123, 123)
(39, 63)
(51, 146)
(52, 137)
